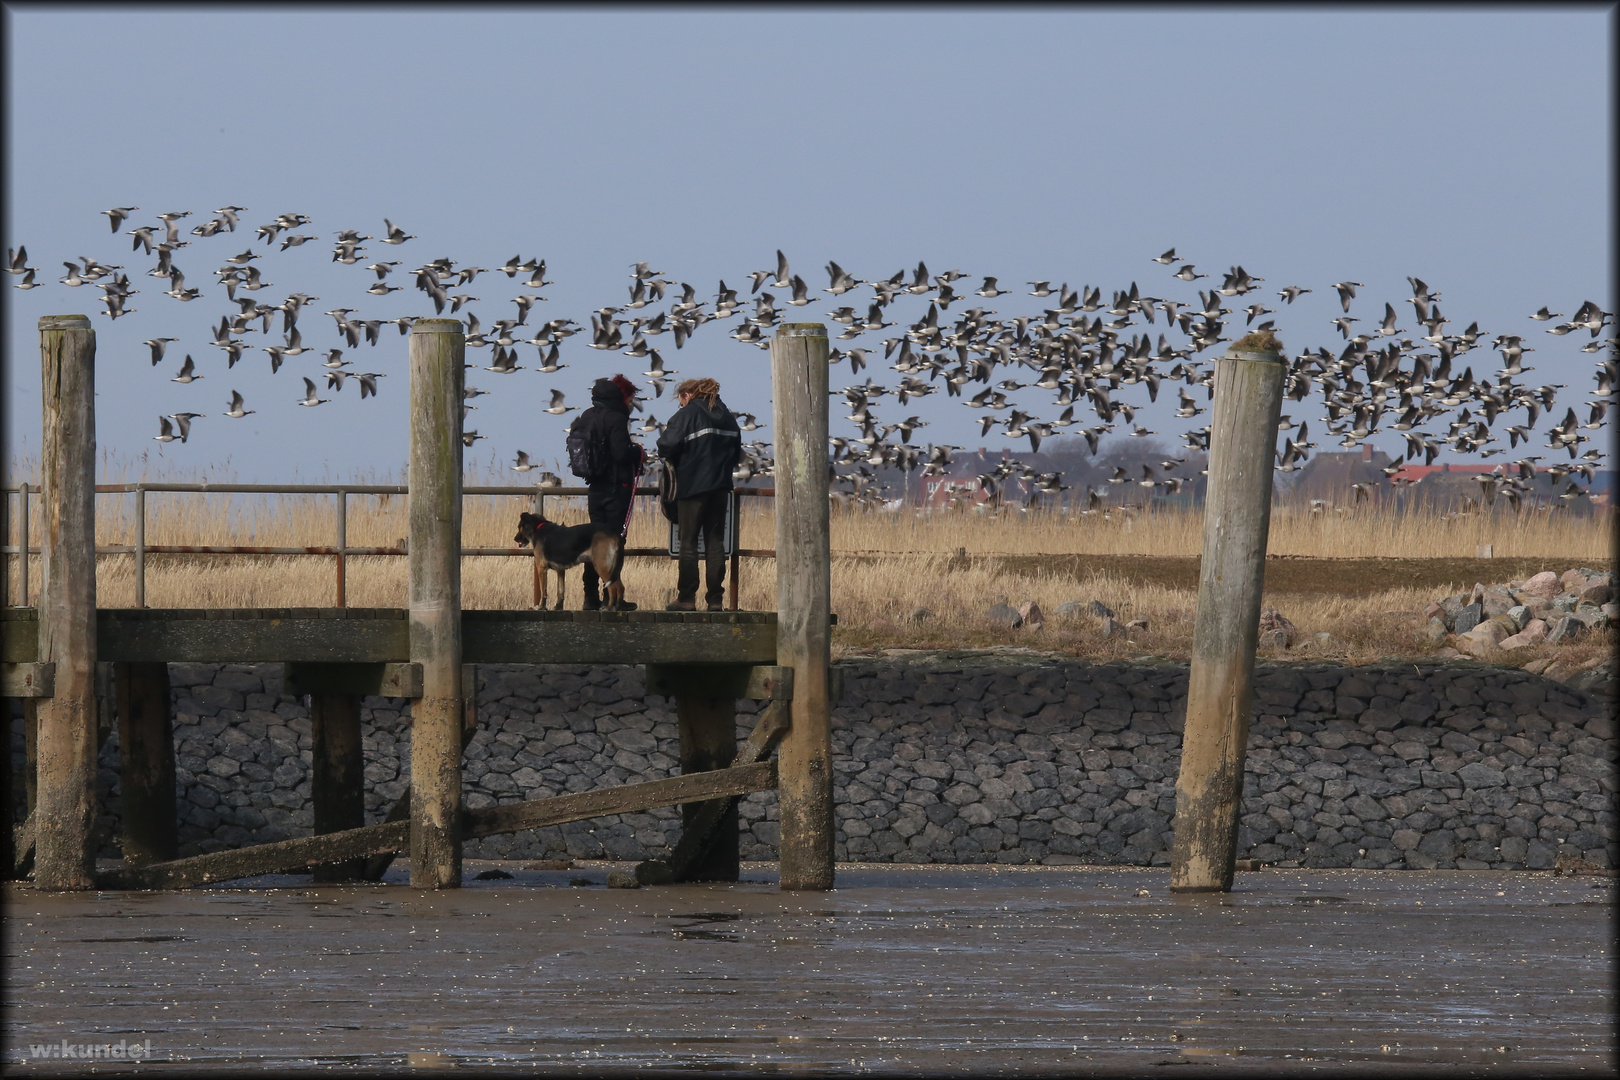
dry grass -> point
(874, 598)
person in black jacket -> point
(606, 425)
(703, 442)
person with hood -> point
(704, 444)
(604, 430)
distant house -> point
(1330, 477)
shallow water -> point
(926, 970)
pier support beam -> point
(708, 727)
(337, 779)
(1220, 685)
(437, 352)
(146, 763)
(803, 601)
(65, 810)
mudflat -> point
(927, 970)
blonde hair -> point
(707, 389)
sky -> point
(1470, 148)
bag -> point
(666, 491)
(587, 457)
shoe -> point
(592, 603)
(681, 605)
(714, 605)
(625, 605)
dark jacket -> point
(705, 446)
(608, 419)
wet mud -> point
(927, 971)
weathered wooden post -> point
(1220, 686)
(803, 601)
(65, 810)
(438, 349)
(146, 763)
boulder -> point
(1597, 594)
(1565, 629)
(1520, 615)
(1111, 628)
(1070, 609)
(1137, 624)
(1481, 641)
(1497, 601)
(1100, 610)
(1030, 612)
(1544, 584)
(1573, 580)
(1273, 620)
(1534, 633)
(1002, 614)
(1434, 631)
(1467, 618)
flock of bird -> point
(1082, 350)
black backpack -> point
(588, 453)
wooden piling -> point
(1220, 688)
(437, 352)
(337, 780)
(146, 763)
(803, 601)
(708, 729)
(66, 796)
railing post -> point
(1220, 685)
(22, 542)
(342, 546)
(736, 548)
(140, 545)
(66, 795)
(437, 351)
(803, 601)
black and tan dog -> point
(558, 547)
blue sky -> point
(1470, 148)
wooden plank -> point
(626, 799)
(30, 680)
(491, 639)
(756, 682)
(282, 856)
(1220, 684)
(184, 637)
(19, 643)
(357, 680)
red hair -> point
(626, 387)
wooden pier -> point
(50, 655)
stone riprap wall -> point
(977, 757)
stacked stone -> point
(1547, 607)
(975, 757)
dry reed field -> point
(887, 566)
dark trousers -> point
(609, 505)
(705, 513)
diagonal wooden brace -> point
(761, 742)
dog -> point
(558, 547)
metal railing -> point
(341, 549)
